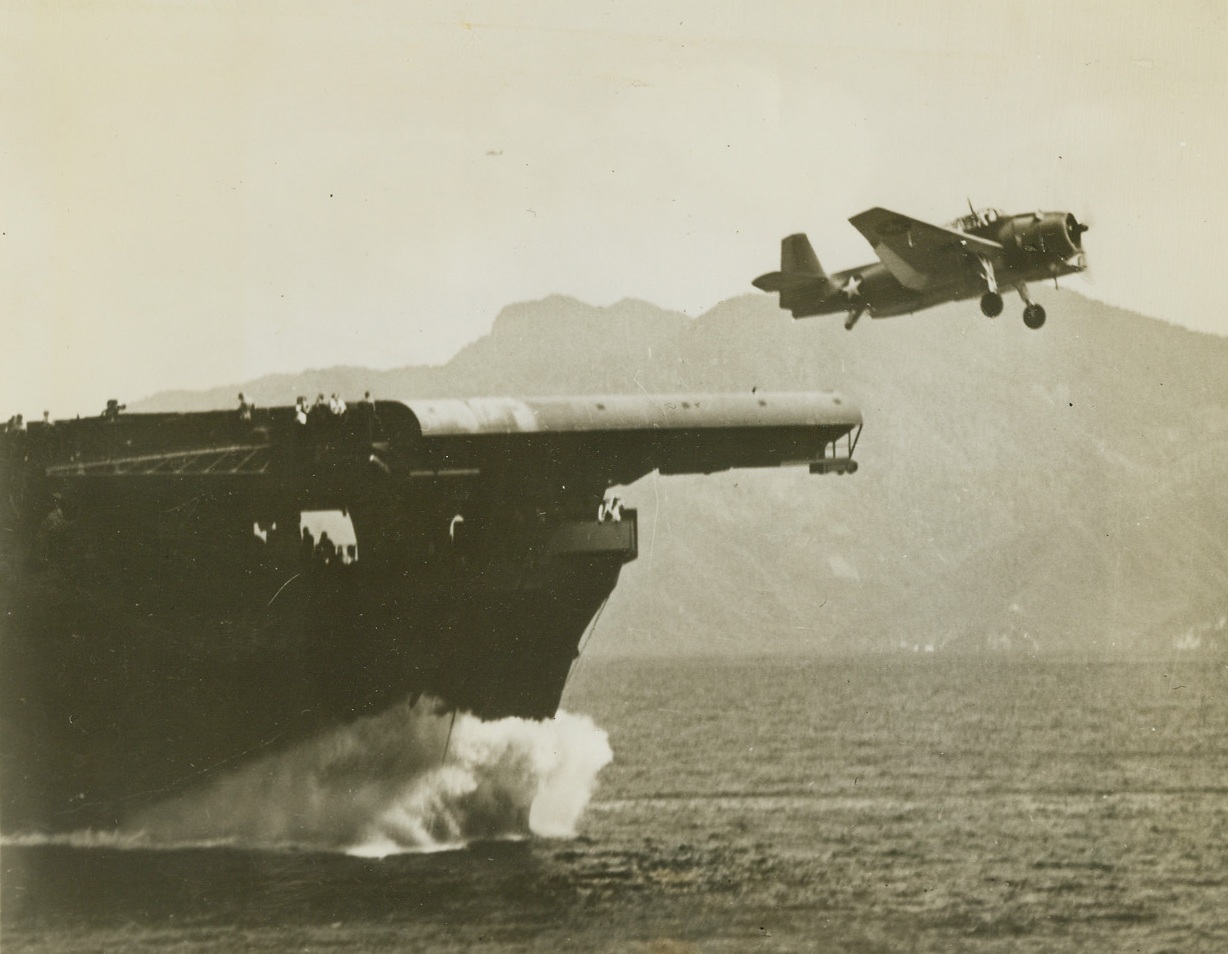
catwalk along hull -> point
(182, 593)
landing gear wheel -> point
(991, 304)
(1033, 316)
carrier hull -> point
(116, 698)
(177, 602)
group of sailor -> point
(18, 422)
(324, 552)
(334, 407)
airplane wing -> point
(918, 253)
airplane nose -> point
(1054, 236)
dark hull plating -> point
(117, 697)
(165, 617)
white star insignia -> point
(851, 286)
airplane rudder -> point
(797, 256)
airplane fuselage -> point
(883, 296)
(922, 265)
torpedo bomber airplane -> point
(921, 265)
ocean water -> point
(911, 803)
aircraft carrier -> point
(173, 602)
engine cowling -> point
(1055, 235)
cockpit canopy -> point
(977, 219)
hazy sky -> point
(193, 193)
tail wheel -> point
(991, 304)
(1033, 316)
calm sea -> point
(917, 803)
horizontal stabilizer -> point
(799, 267)
(788, 281)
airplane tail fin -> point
(799, 267)
(797, 257)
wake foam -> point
(384, 785)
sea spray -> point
(384, 785)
